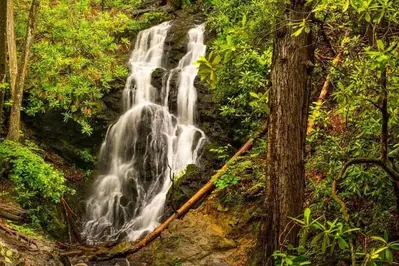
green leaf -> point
(345, 5)
(306, 215)
(386, 236)
(316, 239)
(301, 249)
(298, 32)
(216, 60)
(342, 243)
(253, 94)
(388, 255)
(367, 17)
(394, 246)
(244, 20)
(380, 45)
(378, 238)
(325, 243)
(227, 56)
(378, 251)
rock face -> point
(208, 236)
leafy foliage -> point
(238, 67)
(226, 180)
(327, 235)
(36, 183)
(75, 57)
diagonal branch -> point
(326, 86)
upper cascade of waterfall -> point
(146, 57)
(148, 145)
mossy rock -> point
(9, 256)
(184, 188)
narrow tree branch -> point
(385, 119)
(70, 217)
(374, 104)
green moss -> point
(26, 230)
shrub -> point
(37, 185)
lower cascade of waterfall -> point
(148, 145)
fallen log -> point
(123, 249)
(12, 213)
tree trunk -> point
(289, 100)
(3, 53)
(15, 115)
(12, 46)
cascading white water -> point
(148, 145)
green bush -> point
(37, 185)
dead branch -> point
(326, 86)
(124, 249)
(70, 217)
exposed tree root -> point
(19, 235)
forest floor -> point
(19, 244)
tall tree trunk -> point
(3, 52)
(12, 46)
(289, 100)
(15, 115)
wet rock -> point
(158, 79)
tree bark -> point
(3, 52)
(11, 45)
(289, 102)
(15, 115)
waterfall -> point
(148, 145)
